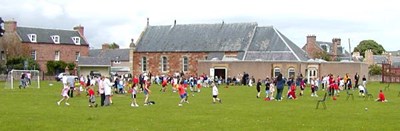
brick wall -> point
(46, 52)
(174, 62)
(311, 47)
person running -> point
(215, 93)
(92, 98)
(258, 87)
(182, 94)
(64, 92)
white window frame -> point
(117, 62)
(144, 64)
(76, 40)
(77, 55)
(33, 54)
(56, 39)
(57, 55)
(32, 37)
(185, 64)
(164, 64)
(327, 47)
(291, 69)
(275, 70)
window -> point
(277, 71)
(116, 61)
(205, 57)
(164, 64)
(144, 64)
(77, 55)
(325, 47)
(77, 40)
(291, 72)
(33, 54)
(32, 37)
(2, 55)
(56, 39)
(185, 63)
(57, 56)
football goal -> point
(23, 79)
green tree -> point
(323, 55)
(113, 46)
(19, 61)
(364, 45)
(375, 69)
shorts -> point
(65, 92)
(133, 96)
(145, 92)
(92, 99)
(215, 96)
(183, 96)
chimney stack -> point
(80, 29)
(105, 46)
(335, 44)
(10, 26)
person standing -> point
(107, 91)
(356, 79)
(71, 83)
(258, 87)
(215, 93)
(101, 90)
(280, 83)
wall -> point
(46, 52)
(174, 62)
(86, 70)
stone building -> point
(44, 44)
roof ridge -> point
(284, 41)
(46, 28)
(249, 23)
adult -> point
(356, 79)
(107, 91)
(280, 83)
(101, 91)
(71, 83)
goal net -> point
(23, 79)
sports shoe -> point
(187, 102)
(58, 103)
(133, 105)
(136, 105)
(145, 104)
(179, 104)
(67, 104)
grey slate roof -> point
(111, 54)
(379, 58)
(196, 37)
(343, 54)
(94, 61)
(249, 40)
(44, 35)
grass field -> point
(36, 109)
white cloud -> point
(120, 20)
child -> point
(182, 94)
(272, 90)
(361, 90)
(146, 90)
(92, 98)
(381, 97)
(292, 92)
(302, 86)
(134, 92)
(64, 92)
(313, 87)
(258, 87)
(164, 84)
(267, 86)
(215, 93)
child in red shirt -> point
(92, 98)
(381, 97)
(292, 92)
(182, 94)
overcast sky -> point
(119, 21)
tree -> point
(375, 69)
(364, 45)
(323, 55)
(18, 63)
(113, 46)
(54, 67)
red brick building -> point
(48, 44)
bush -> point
(375, 69)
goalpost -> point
(14, 79)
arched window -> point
(164, 64)
(291, 72)
(185, 63)
(144, 64)
(277, 71)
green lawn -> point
(36, 109)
